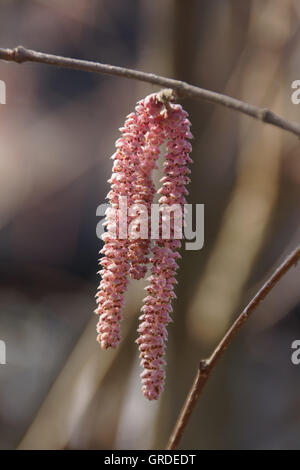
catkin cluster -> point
(152, 124)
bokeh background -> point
(57, 132)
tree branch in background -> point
(207, 366)
(183, 89)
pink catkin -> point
(115, 262)
(137, 152)
(134, 160)
(149, 114)
(157, 305)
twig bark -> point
(206, 367)
(20, 54)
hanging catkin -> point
(144, 131)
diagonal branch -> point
(183, 89)
(206, 367)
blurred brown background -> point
(57, 132)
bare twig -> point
(207, 366)
(183, 89)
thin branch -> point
(183, 89)
(206, 367)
